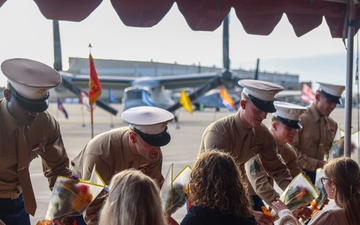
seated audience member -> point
(342, 184)
(217, 193)
(134, 199)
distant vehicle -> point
(292, 96)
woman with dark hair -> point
(217, 192)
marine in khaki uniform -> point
(244, 135)
(285, 123)
(137, 146)
(316, 137)
(28, 132)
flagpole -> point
(82, 113)
(214, 118)
(111, 121)
(91, 108)
(92, 123)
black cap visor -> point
(265, 106)
(157, 140)
(331, 98)
(295, 124)
(31, 105)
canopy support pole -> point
(349, 78)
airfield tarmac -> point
(182, 150)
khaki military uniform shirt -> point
(45, 142)
(263, 185)
(230, 134)
(288, 153)
(110, 152)
(307, 141)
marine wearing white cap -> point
(331, 92)
(150, 123)
(289, 114)
(261, 93)
(30, 82)
(261, 184)
(28, 132)
(137, 146)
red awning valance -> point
(257, 16)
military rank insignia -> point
(254, 167)
(40, 146)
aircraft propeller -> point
(66, 81)
(225, 78)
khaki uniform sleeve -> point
(92, 213)
(153, 170)
(307, 162)
(212, 140)
(273, 163)
(89, 160)
(304, 161)
(259, 180)
(291, 160)
(55, 160)
(83, 168)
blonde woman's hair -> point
(133, 199)
(345, 173)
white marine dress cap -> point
(30, 81)
(150, 123)
(261, 93)
(332, 92)
(289, 114)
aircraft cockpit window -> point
(133, 94)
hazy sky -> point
(26, 33)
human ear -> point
(7, 94)
(274, 125)
(242, 104)
(132, 137)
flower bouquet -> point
(174, 190)
(317, 203)
(71, 197)
(337, 148)
(300, 192)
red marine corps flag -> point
(94, 89)
(94, 83)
